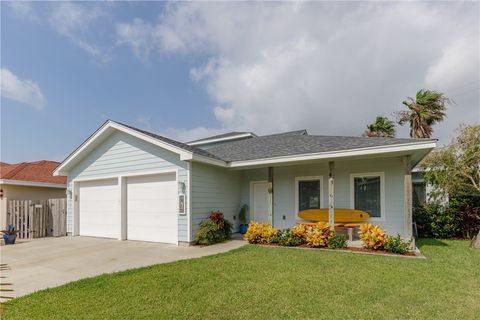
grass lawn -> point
(259, 282)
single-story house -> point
(128, 183)
(29, 181)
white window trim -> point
(382, 192)
(307, 178)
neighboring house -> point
(128, 183)
(29, 181)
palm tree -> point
(382, 127)
(427, 109)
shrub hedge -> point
(214, 230)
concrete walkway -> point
(42, 263)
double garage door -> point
(150, 206)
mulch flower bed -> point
(410, 254)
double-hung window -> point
(308, 193)
(368, 194)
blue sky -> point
(187, 70)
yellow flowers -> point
(300, 231)
(319, 235)
(262, 233)
(372, 236)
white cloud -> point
(23, 10)
(144, 121)
(25, 91)
(137, 35)
(77, 21)
(74, 20)
(328, 67)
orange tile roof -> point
(38, 171)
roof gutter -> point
(336, 154)
(33, 183)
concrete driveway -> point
(42, 263)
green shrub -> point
(436, 220)
(288, 239)
(214, 230)
(396, 245)
(337, 242)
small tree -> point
(382, 127)
(457, 166)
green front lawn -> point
(260, 282)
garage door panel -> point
(99, 214)
(152, 208)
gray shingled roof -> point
(288, 145)
(283, 144)
(174, 142)
(223, 135)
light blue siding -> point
(284, 188)
(214, 188)
(122, 154)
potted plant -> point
(9, 235)
(242, 216)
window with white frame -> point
(368, 193)
(308, 193)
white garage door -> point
(152, 208)
(99, 208)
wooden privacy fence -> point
(37, 219)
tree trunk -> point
(476, 241)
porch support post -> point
(270, 195)
(407, 194)
(331, 193)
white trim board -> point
(297, 198)
(212, 140)
(33, 184)
(382, 192)
(128, 174)
(336, 154)
(184, 155)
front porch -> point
(379, 186)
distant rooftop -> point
(37, 171)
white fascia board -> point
(33, 184)
(162, 144)
(203, 159)
(337, 154)
(238, 136)
(111, 124)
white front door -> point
(152, 209)
(99, 208)
(260, 202)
